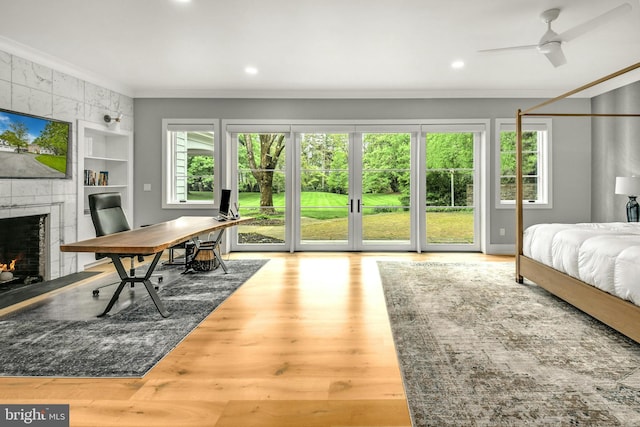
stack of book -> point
(92, 177)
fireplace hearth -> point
(23, 250)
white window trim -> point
(545, 160)
(167, 156)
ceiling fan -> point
(551, 42)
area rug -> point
(477, 349)
(126, 344)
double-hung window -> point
(536, 162)
(188, 163)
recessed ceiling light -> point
(182, 1)
(251, 70)
(458, 64)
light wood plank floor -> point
(305, 342)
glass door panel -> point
(324, 203)
(450, 182)
(386, 188)
(261, 184)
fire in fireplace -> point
(23, 249)
(6, 270)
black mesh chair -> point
(108, 217)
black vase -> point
(633, 210)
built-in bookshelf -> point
(105, 164)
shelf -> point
(102, 149)
(108, 159)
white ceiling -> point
(317, 48)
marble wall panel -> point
(31, 74)
(5, 66)
(5, 94)
(32, 101)
(68, 86)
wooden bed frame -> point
(613, 311)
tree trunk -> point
(271, 146)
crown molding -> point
(34, 55)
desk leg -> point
(125, 278)
(216, 251)
(152, 291)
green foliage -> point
(200, 174)
(260, 166)
(54, 137)
(450, 162)
(388, 157)
(449, 150)
(508, 153)
(17, 136)
(338, 178)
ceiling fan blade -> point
(510, 49)
(592, 24)
(556, 56)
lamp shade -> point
(628, 185)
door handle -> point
(358, 205)
(351, 207)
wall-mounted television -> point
(34, 147)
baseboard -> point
(500, 249)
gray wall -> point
(571, 151)
(616, 150)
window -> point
(536, 162)
(189, 163)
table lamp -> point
(630, 186)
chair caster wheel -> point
(156, 287)
(160, 279)
(96, 292)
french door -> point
(358, 188)
(353, 190)
(450, 191)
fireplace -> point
(23, 249)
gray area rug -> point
(477, 349)
(126, 344)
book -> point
(103, 178)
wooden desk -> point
(153, 239)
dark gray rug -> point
(477, 349)
(126, 344)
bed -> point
(593, 266)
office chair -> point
(108, 217)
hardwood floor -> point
(305, 342)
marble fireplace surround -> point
(54, 228)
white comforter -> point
(605, 255)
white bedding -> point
(605, 255)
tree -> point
(391, 155)
(200, 173)
(267, 148)
(54, 137)
(17, 136)
(449, 161)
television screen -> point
(34, 147)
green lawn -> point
(324, 217)
(319, 205)
(58, 163)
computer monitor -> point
(225, 197)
